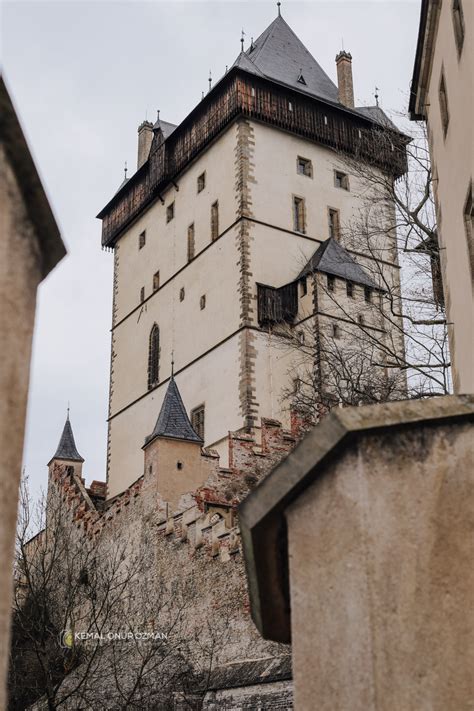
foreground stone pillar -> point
(30, 246)
(371, 521)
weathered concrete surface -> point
(30, 246)
(381, 575)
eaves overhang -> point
(429, 17)
(262, 515)
(360, 118)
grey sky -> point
(83, 76)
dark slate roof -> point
(280, 55)
(166, 127)
(376, 114)
(248, 672)
(67, 446)
(332, 258)
(173, 420)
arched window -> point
(154, 357)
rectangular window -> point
(201, 182)
(334, 225)
(367, 294)
(142, 294)
(215, 220)
(170, 212)
(202, 302)
(331, 282)
(341, 180)
(361, 320)
(335, 330)
(191, 242)
(304, 167)
(141, 239)
(349, 289)
(443, 103)
(299, 215)
(156, 281)
(458, 22)
(303, 287)
(197, 420)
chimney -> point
(344, 78)
(145, 137)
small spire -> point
(202, 96)
(172, 364)
(279, 6)
(376, 96)
(66, 449)
(125, 178)
(210, 80)
(68, 404)
(242, 39)
(157, 115)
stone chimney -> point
(145, 137)
(344, 78)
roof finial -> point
(278, 6)
(157, 114)
(172, 364)
(68, 408)
(125, 177)
(202, 96)
(242, 39)
(210, 80)
(376, 96)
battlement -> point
(205, 519)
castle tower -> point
(173, 459)
(66, 452)
(225, 210)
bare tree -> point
(93, 629)
(385, 339)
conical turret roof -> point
(67, 446)
(173, 420)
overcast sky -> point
(83, 75)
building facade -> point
(442, 95)
(242, 193)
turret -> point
(66, 452)
(173, 461)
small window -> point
(334, 224)
(304, 167)
(361, 320)
(197, 421)
(153, 356)
(331, 282)
(141, 239)
(201, 182)
(253, 88)
(301, 337)
(299, 215)
(341, 180)
(202, 302)
(368, 294)
(170, 212)
(296, 385)
(335, 330)
(301, 79)
(459, 27)
(215, 220)
(191, 242)
(325, 120)
(303, 287)
(156, 281)
(290, 106)
(468, 224)
(349, 289)
(181, 294)
(142, 294)
(443, 103)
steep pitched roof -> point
(332, 258)
(173, 420)
(375, 113)
(166, 127)
(67, 446)
(280, 55)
